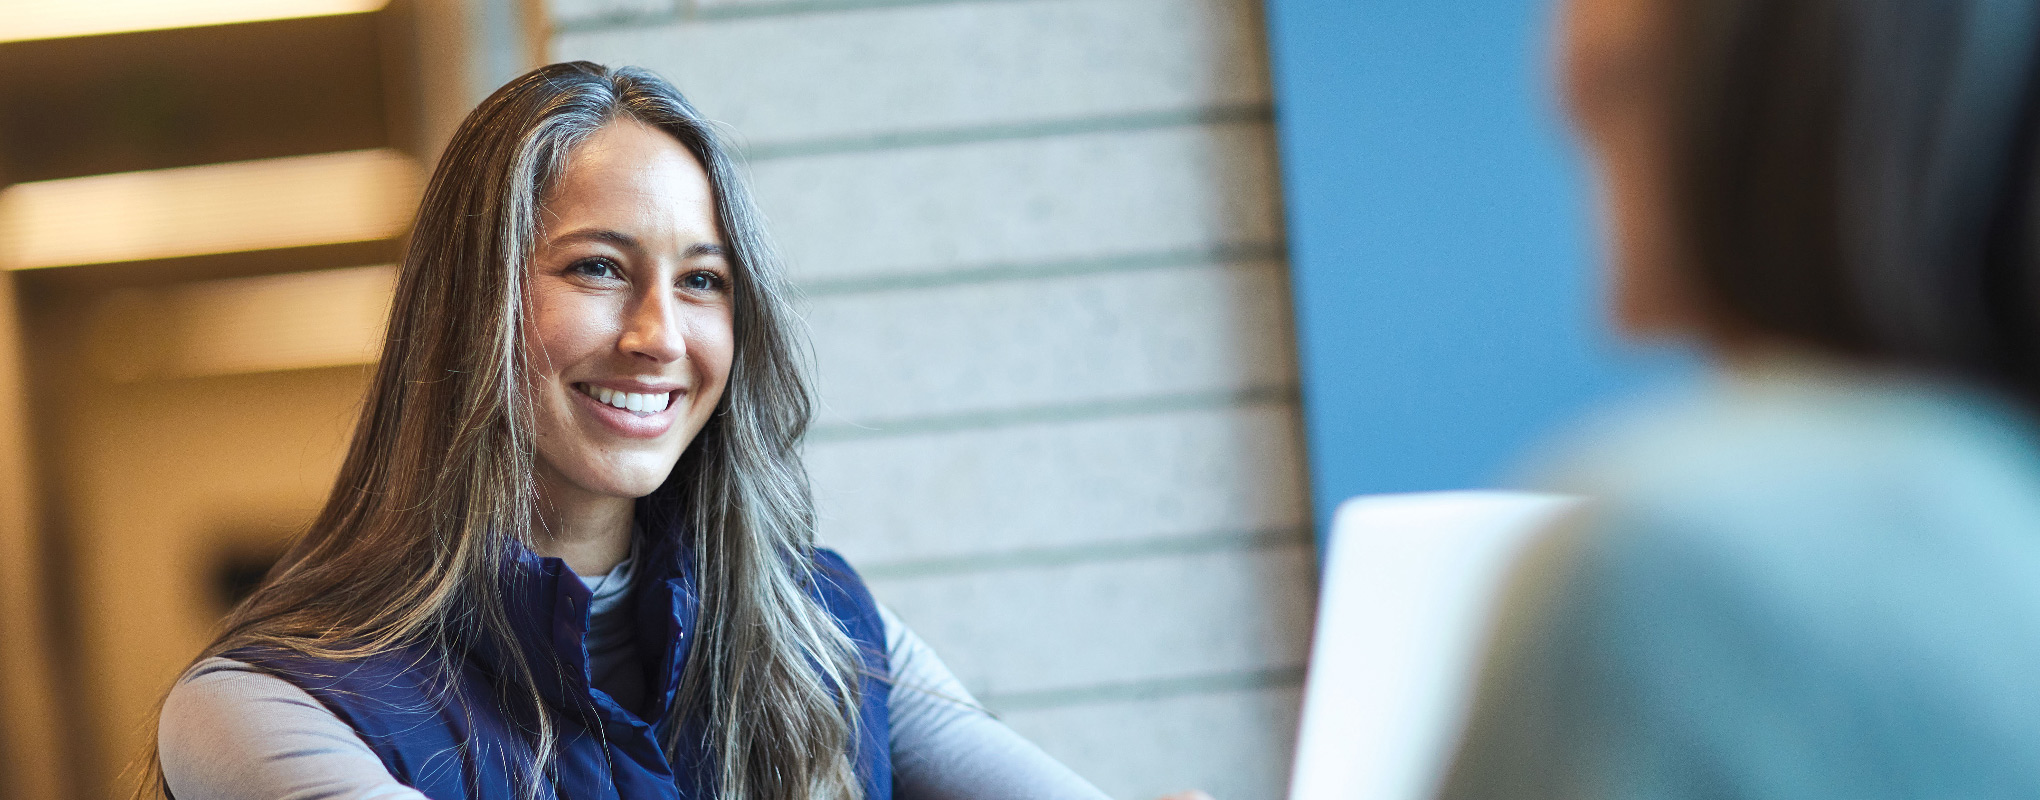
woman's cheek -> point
(713, 343)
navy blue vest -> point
(468, 742)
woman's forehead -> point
(633, 178)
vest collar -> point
(549, 608)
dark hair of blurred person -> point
(1859, 175)
(1817, 574)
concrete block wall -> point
(1041, 248)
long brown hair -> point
(437, 488)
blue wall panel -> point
(1443, 256)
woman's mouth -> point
(643, 405)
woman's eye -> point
(703, 281)
(596, 268)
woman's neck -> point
(589, 532)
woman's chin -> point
(625, 478)
(635, 484)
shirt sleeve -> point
(945, 746)
(229, 732)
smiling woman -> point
(571, 551)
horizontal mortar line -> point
(1158, 689)
(961, 275)
(1063, 412)
(1107, 123)
(687, 11)
(1050, 557)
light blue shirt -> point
(1803, 581)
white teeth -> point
(635, 403)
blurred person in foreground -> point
(1817, 576)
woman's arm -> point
(947, 747)
(231, 733)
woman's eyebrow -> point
(617, 238)
(625, 241)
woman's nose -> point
(651, 328)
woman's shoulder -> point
(220, 682)
(837, 578)
(223, 694)
(1797, 557)
(830, 561)
(252, 682)
(231, 731)
(1809, 441)
(391, 671)
(1878, 511)
(843, 593)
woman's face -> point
(630, 315)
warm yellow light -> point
(355, 196)
(300, 320)
(50, 19)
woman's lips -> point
(652, 416)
